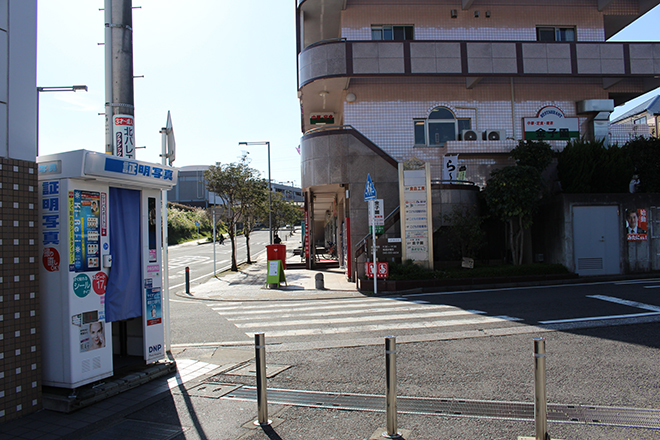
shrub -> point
(590, 167)
(181, 223)
(643, 153)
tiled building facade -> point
(379, 72)
(20, 347)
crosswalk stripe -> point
(322, 321)
(246, 310)
(402, 308)
(381, 327)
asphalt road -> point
(310, 324)
(199, 258)
(602, 343)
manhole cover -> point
(212, 390)
(250, 369)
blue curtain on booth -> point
(123, 297)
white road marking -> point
(646, 280)
(403, 308)
(354, 319)
(599, 318)
(626, 302)
(381, 327)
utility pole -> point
(119, 101)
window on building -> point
(555, 33)
(420, 131)
(391, 33)
(641, 120)
(441, 126)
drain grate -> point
(139, 429)
(581, 414)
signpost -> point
(370, 196)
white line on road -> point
(646, 280)
(382, 327)
(599, 318)
(402, 308)
(355, 319)
(316, 305)
(626, 302)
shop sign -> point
(551, 125)
(322, 118)
(378, 218)
(124, 135)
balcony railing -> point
(479, 59)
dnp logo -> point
(155, 348)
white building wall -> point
(18, 79)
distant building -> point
(642, 120)
(191, 189)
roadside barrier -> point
(262, 400)
(390, 373)
(540, 402)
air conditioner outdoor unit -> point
(469, 135)
(494, 135)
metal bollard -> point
(318, 278)
(187, 280)
(390, 372)
(262, 401)
(540, 406)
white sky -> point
(226, 70)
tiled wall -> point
(385, 109)
(507, 21)
(20, 348)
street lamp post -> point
(270, 188)
(54, 89)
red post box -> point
(276, 252)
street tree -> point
(256, 203)
(234, 183)
(283, 212)
(512, 194)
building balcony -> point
(473, 60)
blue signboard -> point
(369, 190)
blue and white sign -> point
(369, 190)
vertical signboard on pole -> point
(378, 219)
(123, 130)
(416, 219)
(370, 196)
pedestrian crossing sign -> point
(369, 190)
(275, 273)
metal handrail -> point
(329, 127)
(460, 182)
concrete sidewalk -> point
(249, 283)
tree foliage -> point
(283, 212)
(643, 153)
(237, 185)
(181, 221)
(537, 154)
(512, 194)
(464, 233)
(590, 167)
